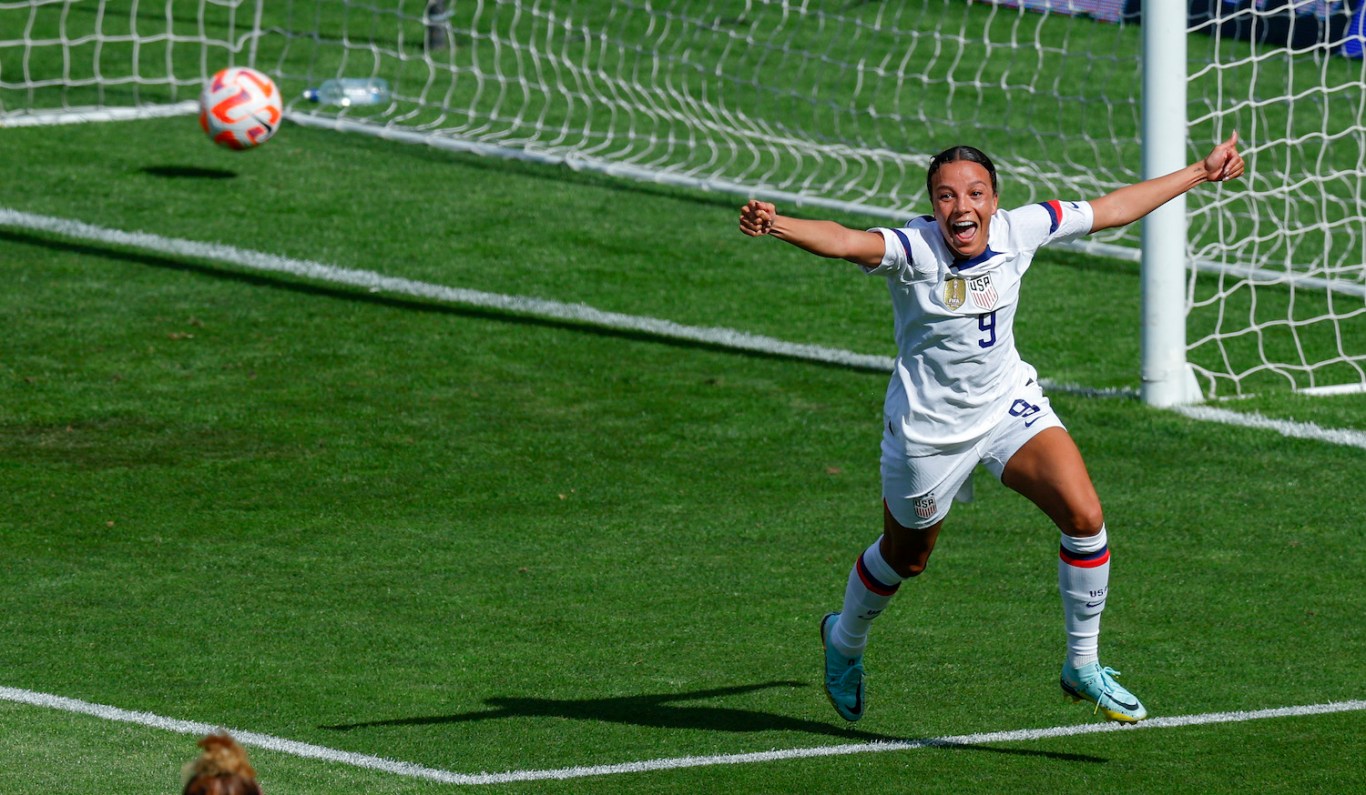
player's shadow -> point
(188, 172)
(667, 711)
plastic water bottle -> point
(348, 91)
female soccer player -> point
(960, 395)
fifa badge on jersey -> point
(983, 294)
(925, 507)
(955, 292)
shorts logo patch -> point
(925, 507)
(983, 294)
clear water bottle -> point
(349, 91)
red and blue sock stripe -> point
(872, 583)
(1086, 560)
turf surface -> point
(479, 541)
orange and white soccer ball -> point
(240, 108)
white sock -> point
(1083, 582)
(872, 583)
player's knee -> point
(907, 550)
(912, 564)
(913, 569)
(1084, 521)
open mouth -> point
(963, 232)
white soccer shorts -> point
(919, 490)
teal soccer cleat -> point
(843, 675)
(1097, 685)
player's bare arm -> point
(823, 238)
(1132, 202)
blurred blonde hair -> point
(221, 769)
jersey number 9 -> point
(986, 323)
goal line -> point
(50, 118)
(577, 161)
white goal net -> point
(91, 60)
(835, 105)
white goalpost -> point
(1167, 378)
(838, 106)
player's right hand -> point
(756, 218)
(1224, 162)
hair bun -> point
(221, 769)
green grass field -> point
(476, 540)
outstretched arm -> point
(1132, 202)
(824, 238)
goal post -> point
(838, 107)
(1167, 379)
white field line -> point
(578, 313)
(376, 282)
(1335, 389)
(1291, 428)
(407, 769)
(87, 115)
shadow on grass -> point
(301, 285)
(664, 711)
(188, 172)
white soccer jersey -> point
(955, 322)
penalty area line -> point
(716, 336)
(379, 283)
(410, 770)
(372, 282)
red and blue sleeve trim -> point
(905, 242)
(1087, 561)
(1054, 209)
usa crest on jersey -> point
(982, 292)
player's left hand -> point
(756, 218)
(1224, 162)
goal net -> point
(1283, 298)
(92, 60)
(836, 106)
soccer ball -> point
(240, 108)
